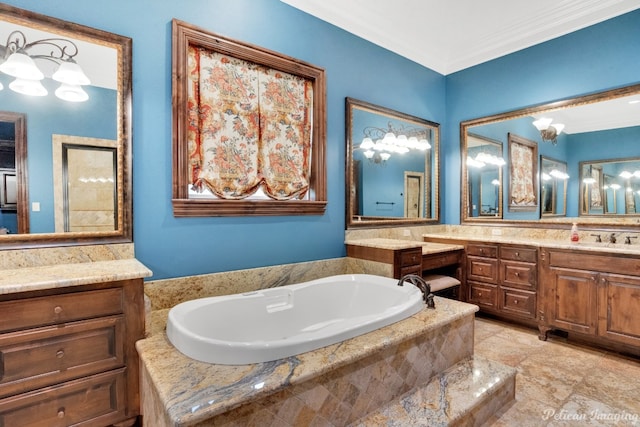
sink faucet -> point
(598, 238)
(627, 239)
(421, 284)
(612, 238)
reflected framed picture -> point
(523, 173)
(595, 188)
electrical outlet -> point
(406, 232)
(35, 206)
(496, 232)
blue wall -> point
(601, 57)
(185, 246)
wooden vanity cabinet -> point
(404, 261)
(594, 295)
(502, 279)
(482, 275)
(68, 357)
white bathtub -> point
(280, 322)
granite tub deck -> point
(427, 354)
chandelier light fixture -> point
(548, 131)
(17, 59)
(398, 140)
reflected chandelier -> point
(548, 131)
(17, 60)
(398, 139)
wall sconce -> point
(18, 56)
(549, 132)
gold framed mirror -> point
(392, 167)
(610, 187)
(553, 187)
(485, 163)
(599, 128)
(99, 108)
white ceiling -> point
(450, 35)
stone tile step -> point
(467, 394)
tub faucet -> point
(421, 284)
(612, 238)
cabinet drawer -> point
(414, 269)
(91, 401)
(519, 274)
(519, 254)
(45, 356)
(488, 251)
(518, 302)
(411, 257)
(482, 269)
(40, 311)
(433, 261)
(483, 294)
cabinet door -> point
(573, 304)
(619, 302)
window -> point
(248, 129)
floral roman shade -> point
(249, 128)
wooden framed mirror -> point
(599, 128)
(105, 59)
(392, 167)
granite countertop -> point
(76, 274)
(605, 247)
(193, 391)
(427, 247)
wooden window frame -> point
(185, 35)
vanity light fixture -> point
(491, 159)
(559, 174)
(18, 61)
(548, 131)
(398, 140)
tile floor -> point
(560, 383)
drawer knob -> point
(57, 310)
(479, 294)
(517, 254)
(61, 413)
(515, 301)
(60, 354)
(517, 274)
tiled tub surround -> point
(335, 385)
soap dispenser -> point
(575, 237)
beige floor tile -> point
(560, 383)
